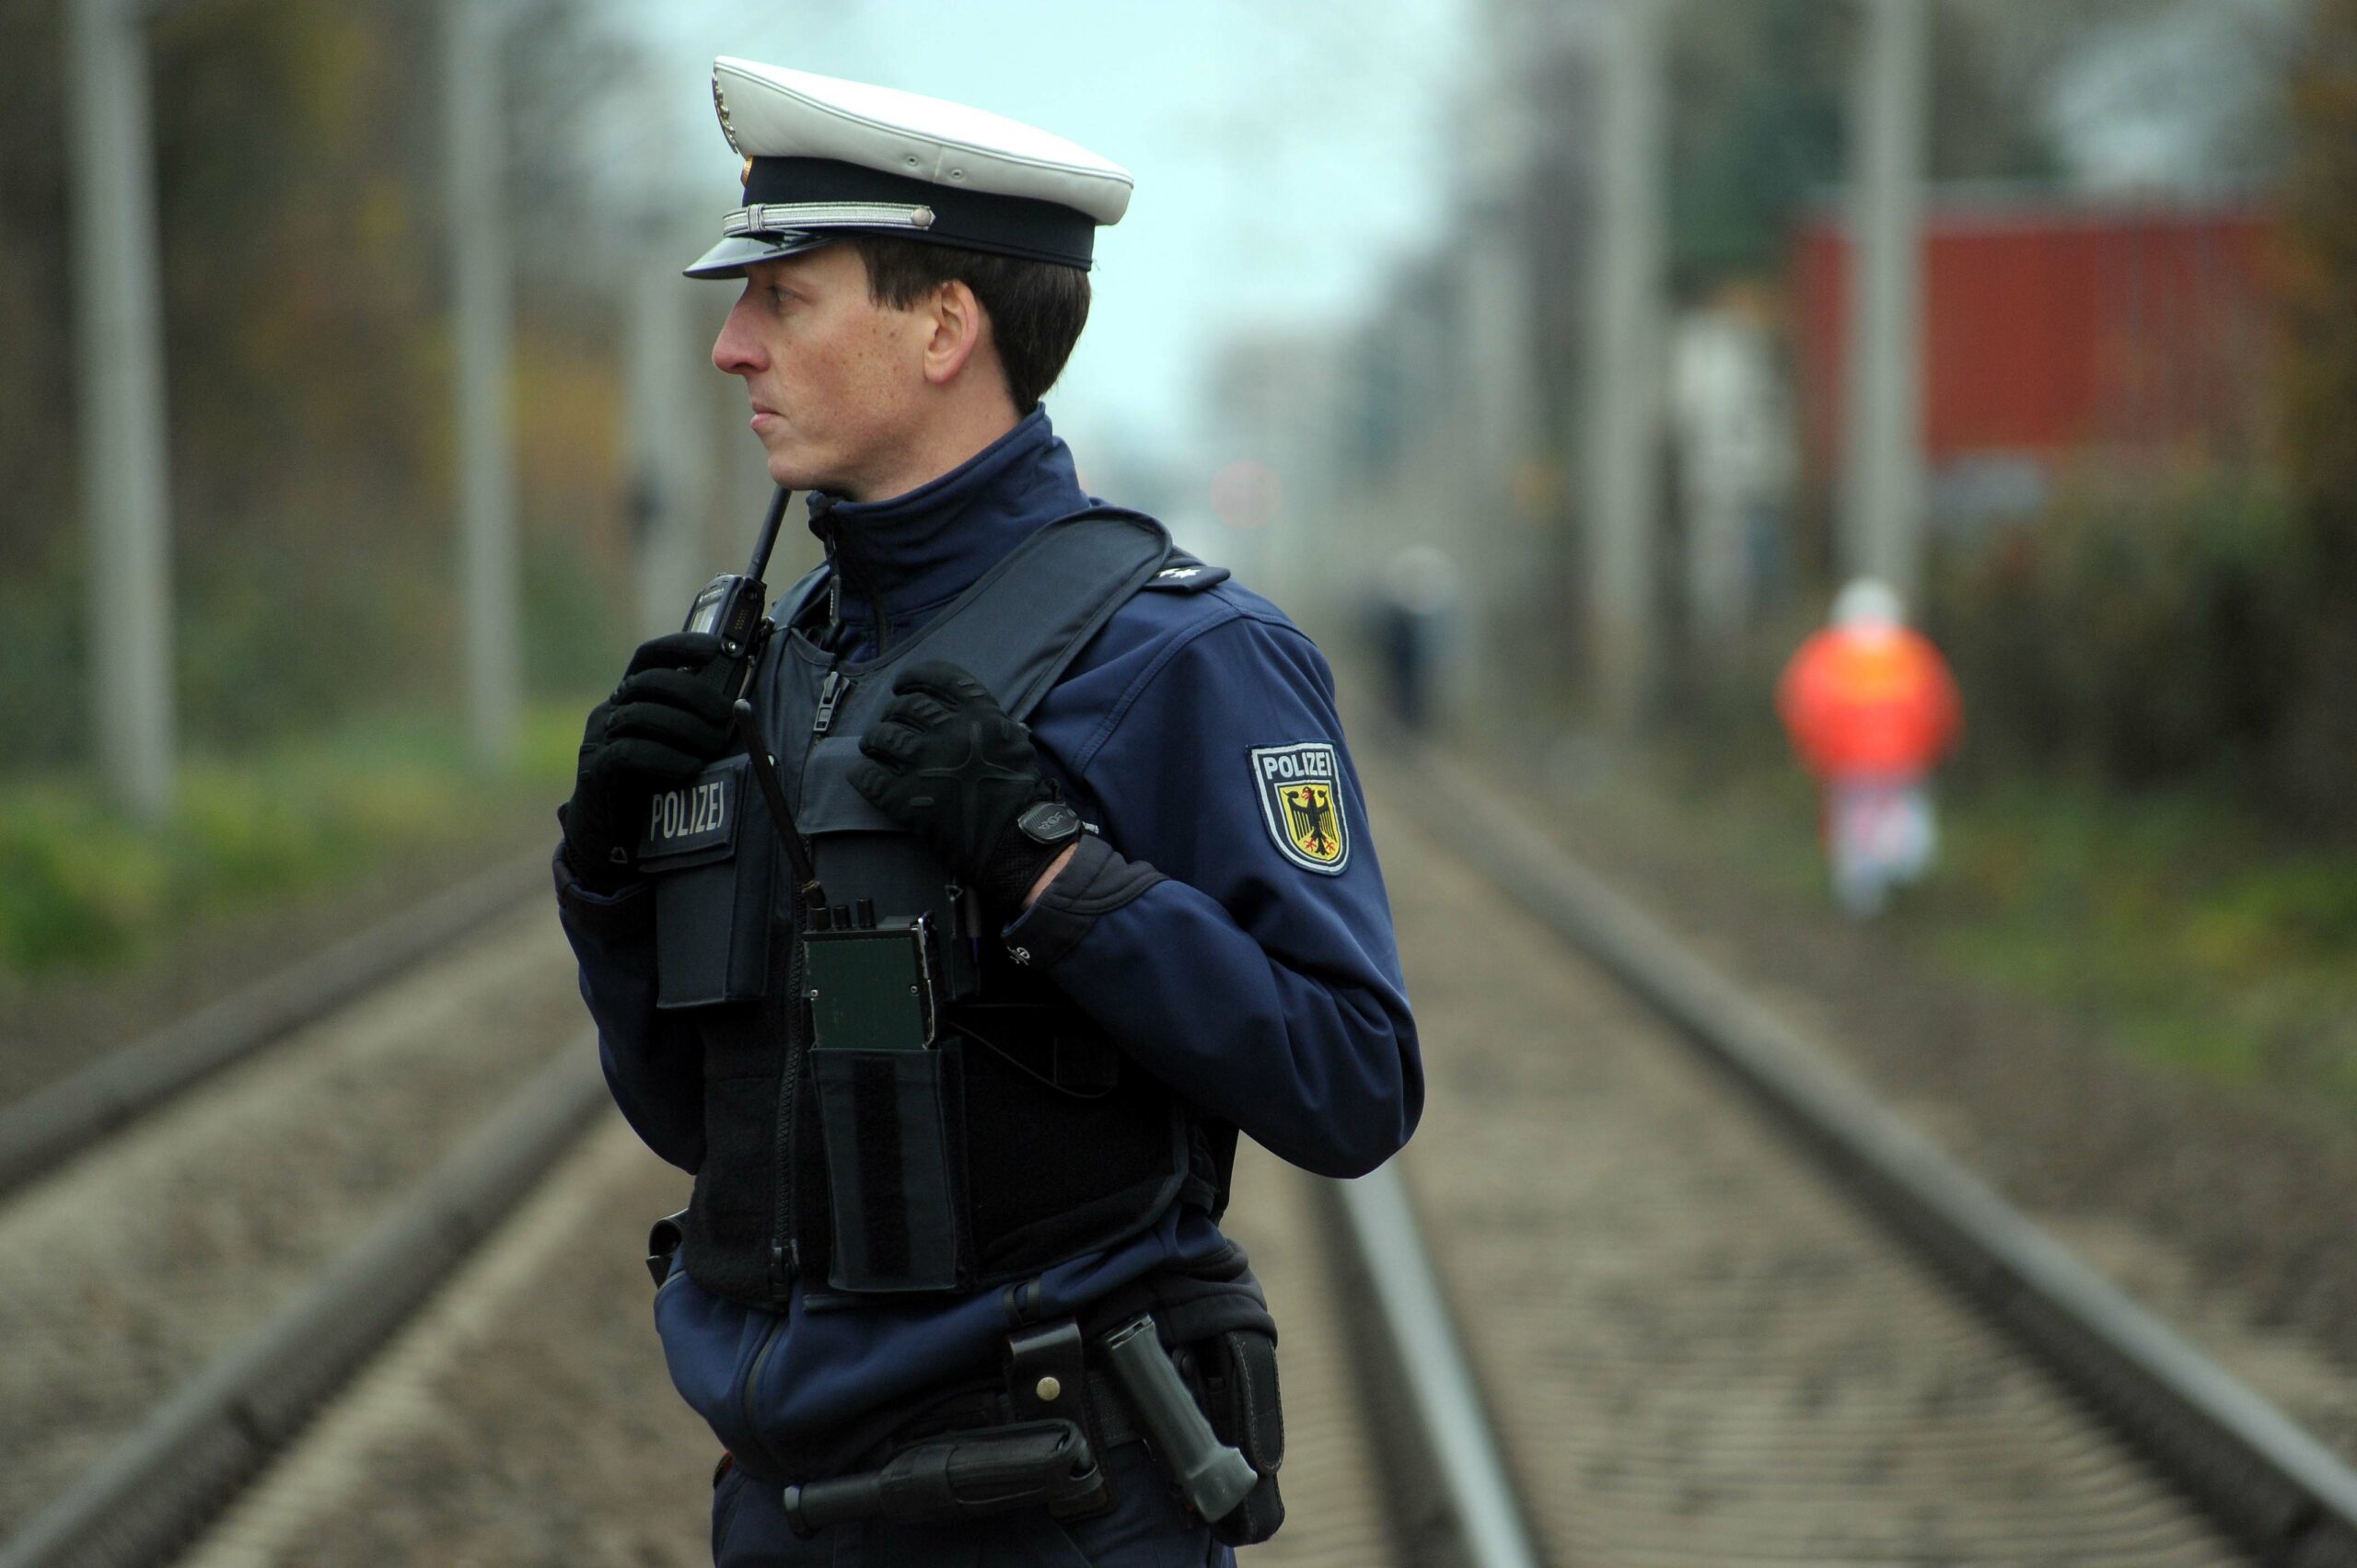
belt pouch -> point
(1234, 1376)
(712, 856)
(891, 1112)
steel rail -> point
(159, 1486)
(2263, 1477)
(1451, 1496)
(50, 1126)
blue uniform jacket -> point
(1262, 984)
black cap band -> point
(1004, 226)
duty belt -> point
(1100, 1413)
(1037, 1443)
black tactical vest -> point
(1018, 1136)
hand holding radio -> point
(667, 721)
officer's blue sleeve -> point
(651, 1061)
(1256, 974)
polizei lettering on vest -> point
(681, 813)
(1297, 764)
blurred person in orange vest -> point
(1871, 708)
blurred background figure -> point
(1731, 423)
(1410, 627)
(1871, 709)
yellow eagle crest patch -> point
(1301, 799)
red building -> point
(2054, 330)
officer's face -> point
(837, 381)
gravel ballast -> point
(163, 1247)
(525, 1417)
(1699, 1349)
(2221, 1208)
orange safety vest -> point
(1869, 700)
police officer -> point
(1088, 889)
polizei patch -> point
(698, 816)
(1301, 798)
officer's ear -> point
(960, 332)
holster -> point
(1040, 1441)
(953, 1479)
(1234, 1376)
(1037, 1443)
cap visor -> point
(733, 255)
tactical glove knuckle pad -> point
(676, 650)
(953, 768)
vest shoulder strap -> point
(1024, 622)
(1093, 563)
(1016, 630)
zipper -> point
(824, 527)
(831, 691)
(786, 1250)
(838, 578)
(753, 1381)
(786, 1246)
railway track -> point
(1604, 1311)
(45, 1129)
(1718, 1307)
(197, 1280)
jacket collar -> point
(906, 556)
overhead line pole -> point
(482, 325)
(1501, 394)
(660, 405)
(124, 438)
(1623, 399)
(660, 402)
(1883, 499)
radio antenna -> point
(767, 541)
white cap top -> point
(772, 111)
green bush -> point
(80, 887)
(69, 891)
(42, 673)
(2136, 639)
(2175, 922)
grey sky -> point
(1284, 152)
(2180, 93)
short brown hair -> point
(1037, 308)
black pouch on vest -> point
(894, 1123)
(712, 858)
(891, 1112)
(1234, 1375)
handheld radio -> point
(731, 604)
(730, 607)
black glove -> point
(946, 762)
(664, 723)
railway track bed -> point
(1690, 1342)
(155, 1253)
(1697, 1353)
(1760, 1318)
